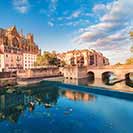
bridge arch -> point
(129, 76)
(108, 75)
(129, 79)
(91, 75)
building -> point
(1, 60)
(30, 53)
(85, 57)
(16, 50)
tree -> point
(48, 58)
(39, 61)
(129, 61)
(118, 64)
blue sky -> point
(62, 25)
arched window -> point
(72, 62)
(15, 42)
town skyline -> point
(61, 29)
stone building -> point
(85, 57)
(16, 50)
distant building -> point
(16, 50)
(85, 57)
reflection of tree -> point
(12, 103)
(48, 96)
(14, 113)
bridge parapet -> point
(76, 72)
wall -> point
(39, 73)
(8, 81)
(1, 62)
(7, 74)
(74, 72)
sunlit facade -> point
(86, 57)
(15, 50)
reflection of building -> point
(16, 50)
(11, 105)
(84, 57)
(78, 96)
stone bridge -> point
(74, 72)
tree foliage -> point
(118, 64)
(129, 61)
(48, 58)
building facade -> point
(85, 57)
(16, 50)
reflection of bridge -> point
(74, 72)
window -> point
(91, 59)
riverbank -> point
(30, 81)
(4, 82)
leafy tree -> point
(48, 58)
(118, 64)
(129, 61)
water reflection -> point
(77, 96)
(13, 102)
(84, 81)
(121, 86)
(129, 79)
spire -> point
(12, 28)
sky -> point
(63, 25)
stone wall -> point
(7, 74)
(7, 78)
(7, 82)
(75, 72)
(39, 73)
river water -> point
(99, 83)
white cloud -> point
(74, 14)
(21, 5)
(51, 24)
(53, 5)
(99, 8)
(111, 32)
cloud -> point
(74, 14)
(21, 6)
(74, 23)
(51, 24)
(53, 5)
(111, 32)
(99, 8)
